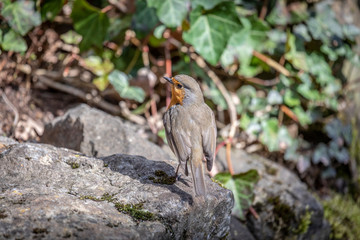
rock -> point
(7, 141)
(51, 193)
(285, 206)
(96, 133)
(239, 231)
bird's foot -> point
(177, 177)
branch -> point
(12, 107)
(289, 113)
(271, 63)
(263, 10)
(97, 101)
(266, 83)
(168, 66)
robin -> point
(190, 129)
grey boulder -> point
(96, 133)
(286, 209)
(51, 193)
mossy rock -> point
(343, 214)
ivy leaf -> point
(291, 99)
(206, 4)
(21, 16)
(274, 97)
(279, 15)
(97, 66)
(101, 82)
(170, 12)
(158, 31)
(242, 43)
(71, 37)
(321, 155)
(269, 136)
(324, 25)
(303, 117)
(91, 23)
(144, 19)
(117, 27)
(120, 81)
(257, 104)
(334, 128)
(134, 93)
(301, 30)
(298, 12)
(51, 8)
(320, 68)
(246, 94)
(341, 154)
(209, 32)
(351, 31)
(242, 186)
(297, 58)
(273, 136)
(13, 41)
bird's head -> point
(185, 90)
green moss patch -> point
(343, 213)
(73, 165)
(134, 210)
(281, 210)
(161, 177)
(304, 223)
(285, 221)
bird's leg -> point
(177, 176)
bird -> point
(190, 129)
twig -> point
(271, 63)
(97, 101)
(106, 9)
(168, 65)
(266, 83)
(231, 106)
(219, 146)
(254, 213)
(12, 107)
(118, 4)
(228, 156)
(289, 113)
(125, 112)
(263, 10)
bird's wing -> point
(209, 141)
(178, 138)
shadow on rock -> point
(148, 171)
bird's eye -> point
(179, 85)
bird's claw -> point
(178, 177)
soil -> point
(34, 107)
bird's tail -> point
(198, 175)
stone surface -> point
(7, 141)
(239, 231)
(281, 200)
(96, 133)
(51, 193)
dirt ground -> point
(25, 111)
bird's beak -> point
(169, 80)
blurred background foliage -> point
(288, 66)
